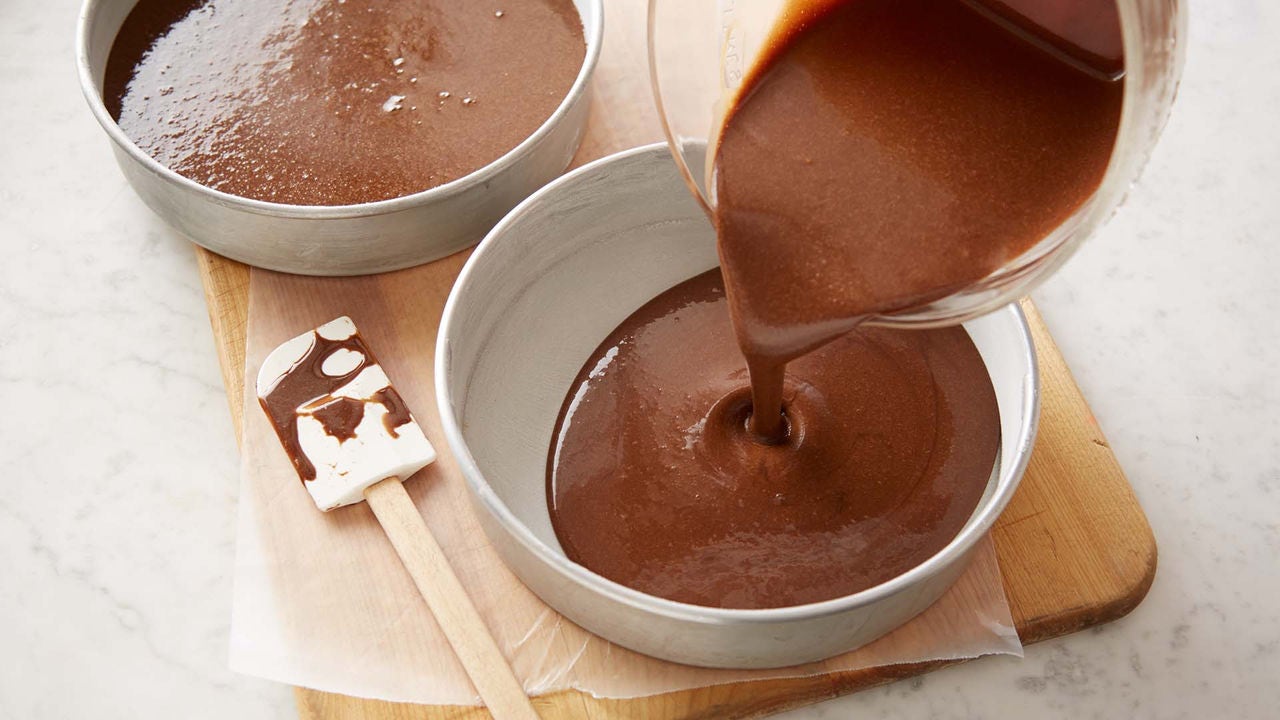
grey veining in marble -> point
(116, 530)
(119, 462)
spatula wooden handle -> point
(455, 614)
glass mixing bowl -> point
(699, 51)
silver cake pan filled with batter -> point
(346, 239)
(539, 294)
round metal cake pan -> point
(341, 239)
(542, 290)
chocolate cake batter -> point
(1085, 33)
(654, 481)
(322, 102)
(881, 155)
(884, 154)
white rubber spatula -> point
(351, 438)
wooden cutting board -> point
(1074, 546)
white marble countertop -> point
(116, 524)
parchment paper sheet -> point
(321, 599)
